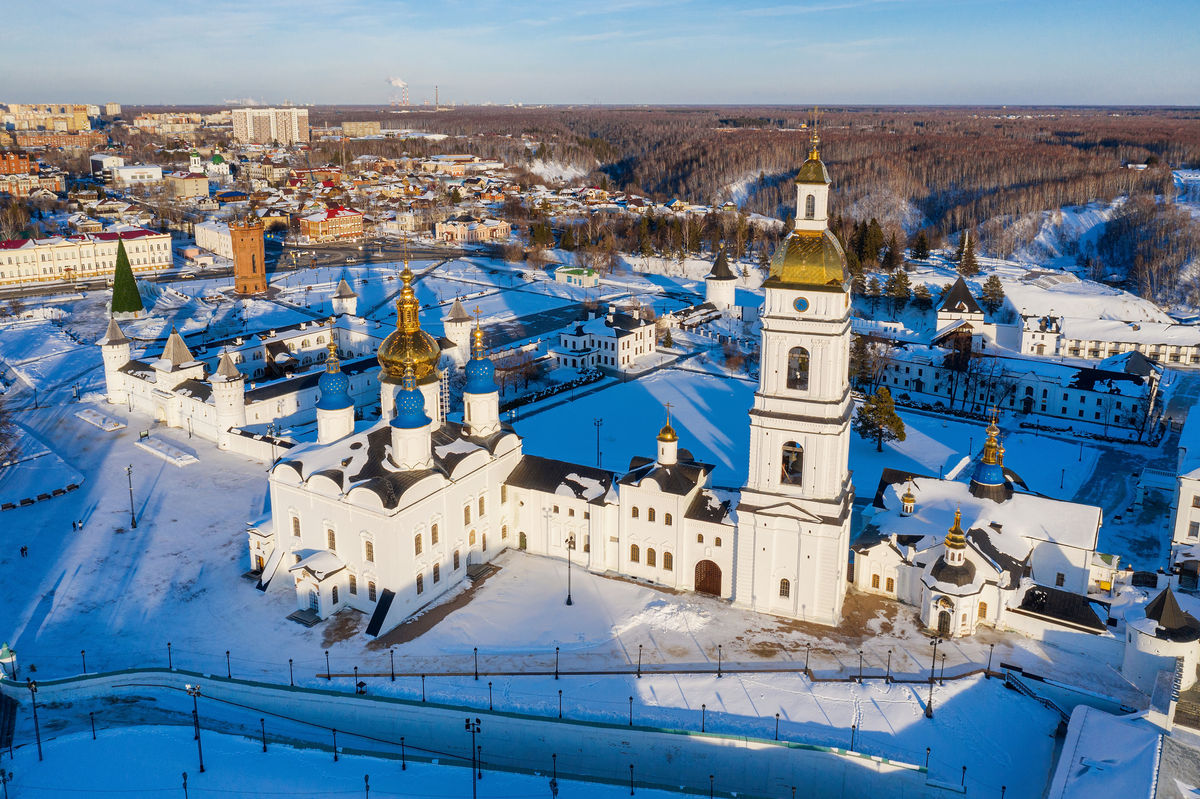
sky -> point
(990, 52)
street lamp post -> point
(598, 422)
(718, 661)
(703, 713)
(194, 692)
(807, 651)
(860, 666)
(639, 671)
(328, 670)
(631, 711)
(932, 665)
(473, 728)
(888, 676)
(132, 513)
(570, 547)
(36, 727)
(988, 672)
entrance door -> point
(314, 602)
(944, 623)
(708, 578)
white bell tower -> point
(794, 515)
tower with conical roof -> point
(126, 299)
(229, 398)
(720, 282)
(345, 300)
(457, 325)
(335, 406)
(115, 350)
(794, 513)
(481, 396)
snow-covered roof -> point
(1107, 755)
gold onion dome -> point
(667, 433)
(812, 258)
(408, 343)
(955, 539)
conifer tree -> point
(967, 265)
(876, 419)
(568, 238)
(892, 258)
(897, 290)
(873, 292)
(125, 297)
(667, 341)
(993, 294)
(872, 242)
(920, 248)
(922, 299)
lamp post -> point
(132, 513)
(598, 422)
(718, 661)
(194, 691)
(291, 677)
(83, 657)
(475, 653)
(988, 672)
(703, 713)
(328, 670)
(888, 676)
(631, 711)
(228, 668)
(473, 728)
(392, 659)
(570, 547)
(807, 651)
(932, 665)
(36, 727)
(776, 726)
(942, 673)
(560, 703)
(489, 694)
(860, 666)
(639, 671)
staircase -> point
(381, 610)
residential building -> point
(187, 184)
(214, 237)
(82, 140)
(27, 185)
(65, 117)
(1096, 339)
(614, 343)
(358, 129)
(15, 162)
(332, 224)
(81, 256)
(134, 174)
(581, 277)
(285, 126)
(467, 229)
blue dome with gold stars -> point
(410, 404)
(335, 391)
(481, 372)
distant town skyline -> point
(986, 52)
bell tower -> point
(794, 513)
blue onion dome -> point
(333, 385)
(410, 403)
(481, 372)
(989, 480)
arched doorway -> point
(708, 578)
(944, 620)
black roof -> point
(890, 477)
(196, 389)
(959, 300)
(678, 478)
(1174, 622)
(720, 269)
(980, 538)
(943, 572)
(278, 388)
(1087, 378)
(708, 507)
(1063, 606)
(548, 475)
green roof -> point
(813, 171)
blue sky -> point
(621, 51)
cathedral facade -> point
(388, 517)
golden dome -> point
(667, 433)
(809, 258)
(408, 343)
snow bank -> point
(167, 452)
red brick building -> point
(249, 257)
(333, 224)
(14, 162)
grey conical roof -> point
(959, 300)
(457, 313)
(225, 368)
(344, 291)
(113, 335)
(1174, 623)
(176, 351)
(720, 269)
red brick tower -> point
(249, 257)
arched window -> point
(522, 541)
(331, 537)
(437, 572)
(353, 584)
(668, 561)
(417, 544)
(369, 551)
(634, 554)
(982, 610)
(420, 583)
(296, 526)
(667, 519)
(433, 535)
(874, 580)
(797, 369)
(504, 532)
(717, 541)
(466, 514)
(481, 506)
(634, 513)
(333, 594)
(890, 586)
(810, 207)
(483, 543)
(456, 560)
(471, 538)
(650, 514)
(792, 464)
(371, 590)
(651, 557)
(785, 589)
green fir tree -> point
(967, 264)
(125, 297)
(876, 419)
(922, 299)
(897, 290)
(993, 294)
(893, 258)
(873, 292)
(920, 247)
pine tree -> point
(920, 248)
(967, 265)
(876, 419)
(667, 341)
(922, 299)
(872, 242)
(897, 290)
(125, 297)
(993, 294)
(893, 258)
(854, 267)
(568, 238)
(873, 292)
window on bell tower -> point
(793, 463)
(797, 369)
(810, 207)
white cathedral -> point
(389, 516)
